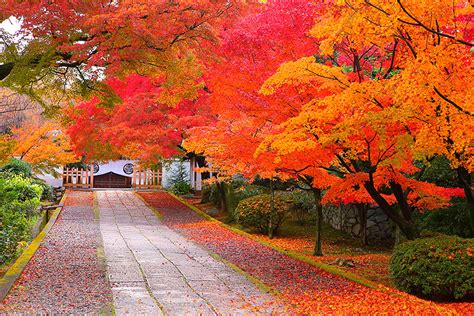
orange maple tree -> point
(42, 144)
(397, 76)
(385, 88)
(249, 53)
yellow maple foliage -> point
(393, 86)
(42, 144)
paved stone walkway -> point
(154, 270)
(65, 276)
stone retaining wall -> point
(346, 218)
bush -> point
(19, 199)
(241, 191)
(255, 212)
(14, 230)
(205, 194)
(17, 167)
(304, 205)
(439, 267)
(453, 220)
(20, 194)
(181, 188)
(47, 194)
(214, 195)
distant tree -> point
(42, 144)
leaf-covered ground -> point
(371, 262)
(64, 276)
(306, 288)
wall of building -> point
(55, 181)
(117, 167)
(346, 218)
(195, 177)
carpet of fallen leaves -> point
(64, 275)
(372, 266)
(306, 288)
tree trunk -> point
(397, 236)
(406, 225)
(362, 209)
(272, 211)
(221, 188)
(466, 182)
(201, 162)
(318, 251)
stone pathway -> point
(65, 275)
(154, 270)
(307, 289)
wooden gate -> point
(146, 179)
(112, 180)
(78, 178)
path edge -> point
(323, 266)
(13, 273)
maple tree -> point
(67, 48)
(250, 51)
(76, 44)
(138, 124)
(395, 83)
(6, 148)
(42, 144)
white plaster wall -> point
(196, 177)
(54, 181)
(115, 167)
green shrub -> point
(439, 267)
(205, 193)
(453, 220)
(47, 194)
(241, 191)
(214, 195)
(17, 167)
(19, 199)
(304, 205)
(20, 194)
(246, 190)
(181, 188)
(14, 229)
(255, 212)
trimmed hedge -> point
(256, 212)
(439, 267)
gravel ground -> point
(65, 275)
(308, 289)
